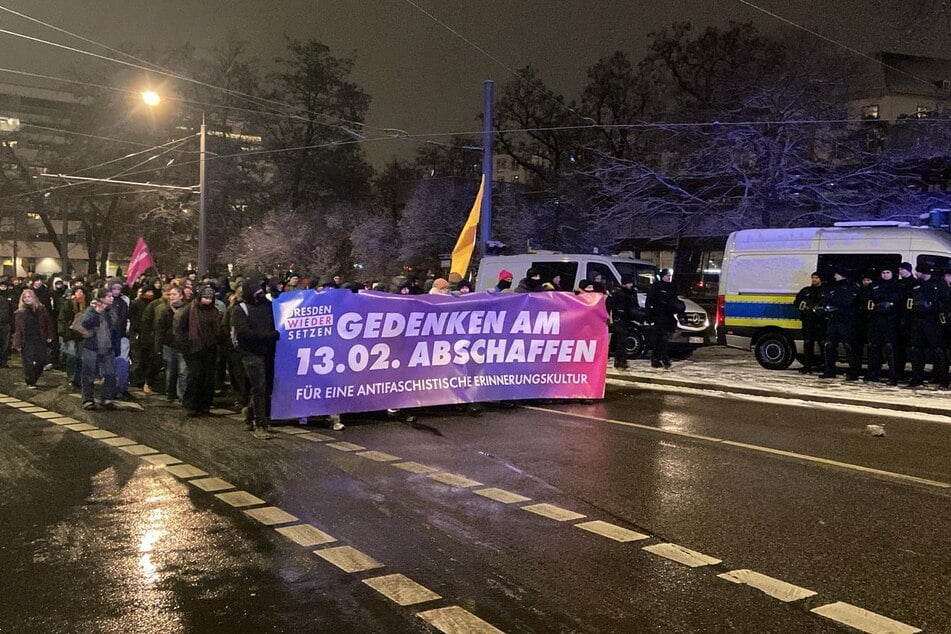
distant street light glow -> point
(151, 98)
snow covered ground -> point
(729, 370)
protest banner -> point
(357, 352)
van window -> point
(856, 264)
(768, 273)
(567, 271)
(928, 261)
(607, 277)
(643, 274)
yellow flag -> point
(462, 253)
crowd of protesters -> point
(188, 337)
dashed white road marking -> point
(455, 620)
(46, 415)
(160, 459)
(501, 495)
(64, 420)
(415, 467)
(210, 484)
(98, 434)
(186, 471)
(32, 410)
(270, 515)
(378, 456)
(682, 555)
(552, 512)
(768, 585)
(606, 529)
(290, 430)
(239, 498)
(8, 399)
(454, 480)
(18, 404)
(118, 441)
(138, 450)
(313, 436)
(81, 427)
(732, 443)
(401, 590)
(305, 535)
(346, 446)
(217, 411)
(348, 558)
(863, 619)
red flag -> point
(140, 262)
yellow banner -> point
(462, 253)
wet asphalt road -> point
(95, 540)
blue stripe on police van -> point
(760, 309)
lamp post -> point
(153, 99)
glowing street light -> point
(152, 99)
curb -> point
(800, 396)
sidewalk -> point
(736, 371)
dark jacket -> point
(529, 285)
(663, 305)
(163, 331)
(624, 305)
(32, 324)
(136, 314)
(808, 300)
(208, 330)
(884, 299)
(839, 300)
(928, 299)
(103, 327)
(253, 322)
(7, 307)
(67, 313)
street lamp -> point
(152, 99)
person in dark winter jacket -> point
(884, 304)
(839, 304)
(176, 371)
(70, 341)
(99, 350)
(197, 332)
(7, 305)
(256, 340)
(928, 307)
(624, 308)
(531, 283)
(809, 304)
(32, 335)
(140, 341)
(663, 308)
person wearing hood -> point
(71, 341)
(99, 351)
(32, 335)
(531, 283)
(7, 305)
(197, 329)
(255, 339)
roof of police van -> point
(803, 236)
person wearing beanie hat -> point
(99, 351)
(197, 333)
(505, 282)
(531, 283)
(809, 302)
(927, 307)
(440, 287)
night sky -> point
(421, 77)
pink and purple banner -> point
(358, 352)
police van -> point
(692, 330)
(763, 269)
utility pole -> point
(65, 269)
(485, 214)
(202, 195)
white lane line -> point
(239, 499)
(378, 456)
(8, 399)
(184, 471)
(98, 434)
(313, 436)
(501, 495)
(117, 441)
(415, 467)
(305, 535)
(775, 588)
(552, 512)
(401, 590)
(81, 427)
(160, 459)
(346, 446)
(270, 515)
(64, 420)
(681, 555)
(138, 450)
(32, 410)
(454, 480)
(290, 430)
(732, 443)
(863, 619)
(455, 620)
(46, 415)
(348, 558)
(210, 484)
(18, 404)
(617, 533)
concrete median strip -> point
(775, 588)
(863, 620)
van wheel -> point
(636, 344)
(775, 351)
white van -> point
(763, 269)
(691, 332)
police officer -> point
(839, 305)
(663, 307)
(809, 304)
(883, 306)
(624, 308)
(927, 307)
(906, 281)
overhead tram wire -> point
(166, 72)
(836, 42)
